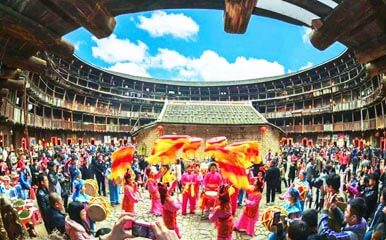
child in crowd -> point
(170, 208)
(156, 206)
(222, 216)
(130, 191)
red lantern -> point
(263, 130)
(160, 130)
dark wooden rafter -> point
(4, 92)
(90, 14)
(21, 27)
(371, 50)
(6, 72)
(313, 6)
(12, 84)
(377, 66)
(237, 14)
(33, 64)
(346, 16)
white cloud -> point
(308, 65)
(168, 59)
(135, 59)
(212, 67)
(131, 68)
(77, 45)
(113, 50)
(306, 35)
(177, 25)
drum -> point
(211, 194)
(91, 187)
(302, 189)
(268, 214)
(98, 209)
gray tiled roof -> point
(211, 114)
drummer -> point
(213, 179)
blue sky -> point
(191, 45)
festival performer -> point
(250, 214)
(130, 190)
(156, 206)
(170, 207)
(189, 181)
(199, 178)
(211, 183)
(212, 179)
(222, 216)
(233, 194)
(168, 178)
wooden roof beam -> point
(377, 67)
(371, 50)
(12, 84)
(22, 27)
(6, 72)
(345, 17)
(33, 64)
(237, 14)
(92, 15)
(4, 92)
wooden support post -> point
(237, 15)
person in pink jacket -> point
(212, 179)
(250, 214)
(189, 180)
(156, 206)
(170, 208)
(222, 216)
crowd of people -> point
(329, 192)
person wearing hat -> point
(292, 205)
(53, 178)
(79, 192)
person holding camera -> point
(356, 225)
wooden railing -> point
(74, 106)
(15, 114)
(370, 124)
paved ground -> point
(193, 227)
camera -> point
(276, 218)
(142, 229)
